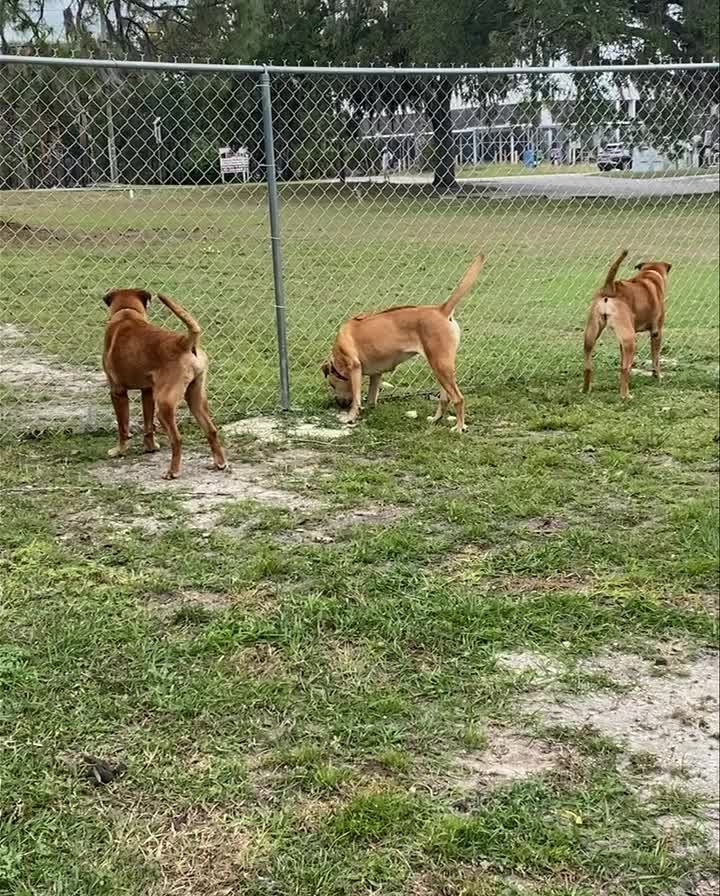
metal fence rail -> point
(274, 202)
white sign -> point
(235, 163)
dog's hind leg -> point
(594, 327)
(623, 326)
(445, 375)
(168, 393)
(148, 406)
(166, 413)
(121, 405)
(443, 402)
(655, 346)
(196, 399)
(627, 356)
(374, 389)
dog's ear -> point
(668, 266)
(144, 296)
(108, 297)
(638, 266)
(326, 367)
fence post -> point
(274, 209)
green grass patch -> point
(209, 248)
(290, 711)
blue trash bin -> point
(528, 158)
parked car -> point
(614, 156)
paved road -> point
(596, 185)
(569, 185)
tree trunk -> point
(443, 145)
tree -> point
(327, 114)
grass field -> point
(397, 663)
(346, 253)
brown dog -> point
(628, 307)
(165, 366)
(373, 344)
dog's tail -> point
(609, 285)
(192, 325)
(465, 285)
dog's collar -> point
(336, 373)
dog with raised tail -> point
(164, 365)
(374, 343)
(628, 307)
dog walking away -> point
(628, 307)
(165, 366)
(375, 343)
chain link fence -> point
(166, 176)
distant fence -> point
(375, 185)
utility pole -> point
(111, 146)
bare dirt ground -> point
(273, 430)
(508, 756)
(54, 394)
(205, 493)
(667, 708)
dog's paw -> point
(347, 419)
(459, 429)
(117, 452)
(170, 474)
(151, 449)
(434, 419)
(219, 468)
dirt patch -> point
(199, 850)
(332, 527)
(261, 597)
(527, 662)
(466, 564)
(266, 429)
(704, 600)
(478, 879)
(15, 234)
(167, 604)
(508, 757)
(670, 710)
(322, 433)
(51, 394)
(520, 585)
(204, 492)
(89, 523)
(546, 525)
(708, 887)
(272, 429)
(644, 367)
